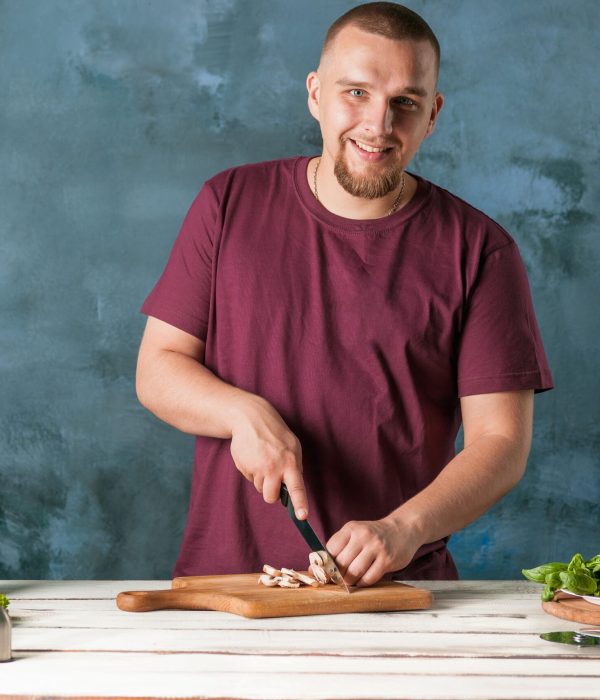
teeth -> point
(370, 149)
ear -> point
(436, 108)
(313, 86)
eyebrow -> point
(347, 82)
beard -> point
(367, 186)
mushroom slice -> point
(303, 578)
(315, 558)
(291, 573)
(330, 568)
(289, 583)
(319, 573)
(267, 580)
(271, 570)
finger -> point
(295, 486)
(348, 553)
(271, 488)
(373, 574)
(358, 567)
(336, 543)
(258, 482)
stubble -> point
(371, 186)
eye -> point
(355, 90)
(406, 101)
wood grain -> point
(241, 594)
(574, 609)
(480, 641)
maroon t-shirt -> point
(363, 334)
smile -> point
(369, 149)
(369, 153)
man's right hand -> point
(267, 453)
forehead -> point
(374, 58)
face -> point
(375, 101)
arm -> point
(173, 383)
(497, 430)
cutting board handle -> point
(168, 599)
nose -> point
(379, 118)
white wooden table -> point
(480, 640)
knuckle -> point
(269, 466)
(385, 560)
(290, 457)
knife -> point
(307, 532)
(581, 638)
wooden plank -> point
(421, 621)
(353, 665)
(72, 589)
(78, 589)
(266, 642)
(184, 675)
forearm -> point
(184, 393)
(466, 488)
(173, 382)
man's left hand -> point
(365, 550)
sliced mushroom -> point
(315, 558)
(289, 572)
(308, 580)
(319, 573)
(289, 583)
(330, 568)
(271, 570)
(322, 568)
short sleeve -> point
(181, 297)
(500, 346)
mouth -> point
(368, 152)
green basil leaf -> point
(540, 572)
(547, 593)
(576, 563)
(579, 583)
(553, 580)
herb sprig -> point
(578, 576)
(4, 601)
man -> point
(327, 321)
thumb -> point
(295, 487)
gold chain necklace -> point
(394, 205)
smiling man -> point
(375, 98)
(328, 321)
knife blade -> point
(579, 638)
(307, 532)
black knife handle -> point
(304, 528)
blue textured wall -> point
(113, 113)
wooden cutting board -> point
(243, 595)
(574, 609)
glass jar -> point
(5, 635)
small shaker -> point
(5, 635)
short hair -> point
(388, 19)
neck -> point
(335, 199)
